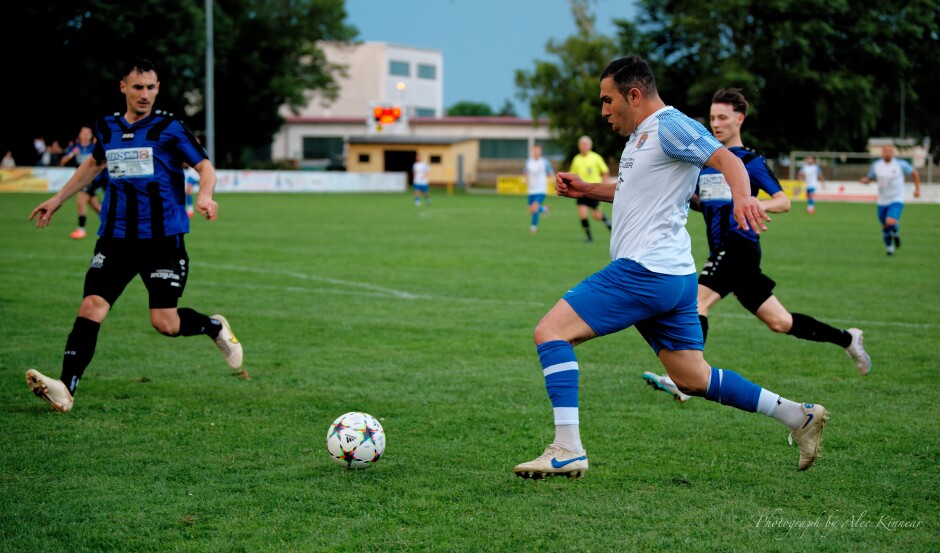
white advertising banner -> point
(52, 179)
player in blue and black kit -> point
(81, 151)
(734, 258)
(142, 228)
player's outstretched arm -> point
(85, 173)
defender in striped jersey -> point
(143, 222)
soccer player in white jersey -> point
(889, 173)
(811, 174)
(537, 171)
(651, 282)
(421, 183)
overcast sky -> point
(483, 41)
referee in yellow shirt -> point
(591, 168)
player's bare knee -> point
(94, 308)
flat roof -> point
(407, 139)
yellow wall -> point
(442, 173)
(793, 188)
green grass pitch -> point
(423, 317)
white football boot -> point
(52, 390)
(857, 352)
(228, 344)
(809, 435)
(556, 461)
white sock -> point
(568, 436)
(788, 412)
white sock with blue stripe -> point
(560, 368)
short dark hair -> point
(631, 72)
(138, 65)
(732, 96)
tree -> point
(567, 91)
(265, 57)
(471, 109)
(508, 110)
(819, 73)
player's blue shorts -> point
(664, 308)
(421, 187)
(536, 198)
(891, 210)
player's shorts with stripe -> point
(162, 264)
(736, 268)
(624, 293)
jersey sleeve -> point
(549, 170)
(193, 152)
(871, 171)
(906, 166)
(761, 175)
(687, 140)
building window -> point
(400, 68)
(425, 112)
(427, 71)
(436, 160)
(363, 158)
(323, 147)
(504, 149)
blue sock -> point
(812, 202)
(535, 218)
(189, 201)
(886, 235)
(560, 367)
(730, 388)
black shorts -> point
(100, 183)
(593, 204)
(736, 268)
(162, 264)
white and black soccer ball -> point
(355, 440)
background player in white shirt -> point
(420, 170)
(889, 173)
(537, 171)
(812, 175)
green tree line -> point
(820, 74)
(62, 65)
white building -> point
(344, 134)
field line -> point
(373, 289)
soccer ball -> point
(355, 440)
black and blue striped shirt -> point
(146, 195)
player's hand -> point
(917, 193)
(750, 214)
(44, 212)
(207, 207)
(569, 185)
(864, 180)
